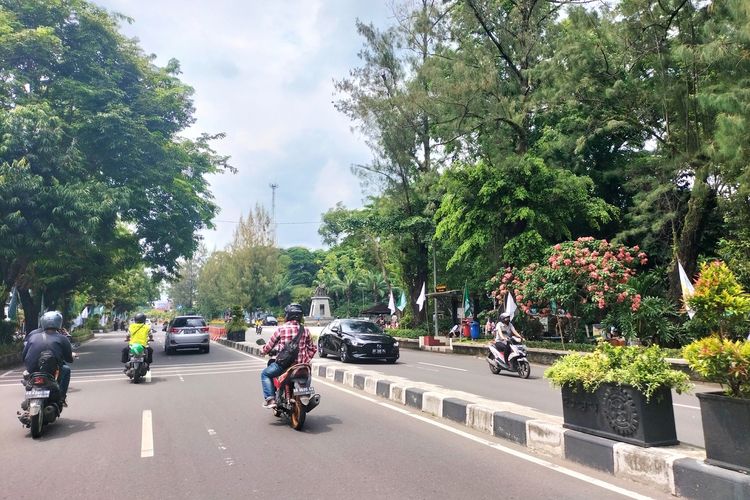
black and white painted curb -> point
(679, 470)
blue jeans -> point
(64, 380)
(269, 372)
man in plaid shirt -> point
(282, 336)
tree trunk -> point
(31, 308)
(694, 224)
(414, 280)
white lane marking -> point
(7, 373)
(228, 460)
(687, 406)
(162, 367)
(443, 366)
(122, 377)
(427, 369)
(147, 435)
(148, 377)
(496, 446)
(181, 379)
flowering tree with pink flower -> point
(586, 278)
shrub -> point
(642, 368)
(722, 361)
(720, 303)
(80, 333)
(237, 322)
(7, 332)
(408, 333)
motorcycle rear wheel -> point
(524, 370)
(37, 422)
(493, 368)
(297, 416)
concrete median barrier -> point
(679, 470)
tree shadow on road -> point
(65, 427)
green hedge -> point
(408, 333)
(81, 332)
(12, 348)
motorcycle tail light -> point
(39, 381)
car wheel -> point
(206, 350)
(321, 352)
(344, 354)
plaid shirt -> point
(285, 334)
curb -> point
(679, 470)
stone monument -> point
(320, 308)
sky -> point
(263, 73)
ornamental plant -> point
(237, 322)
(642, 368)
(719, 301)
(584, 277)
(722, 361)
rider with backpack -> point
(294, 346)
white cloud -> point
(262, 73)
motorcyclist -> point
(282, 336)
(139, 333)
(504, 330)
(49, 339)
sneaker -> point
(65, 402)
(269, 403)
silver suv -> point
(187, 332)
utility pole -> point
(273, 186)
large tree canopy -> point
(90, 160)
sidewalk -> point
(679, 470)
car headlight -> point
(357, 343)
(395, 344)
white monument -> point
(320, 308)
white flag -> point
(510, 305)
(85, 312)
(422, 297)
(392, 304)
(687, 289)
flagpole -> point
(434, 286)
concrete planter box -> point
(621, 413)
(238, 336)
(726, 430)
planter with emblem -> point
(620, 393)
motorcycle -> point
(258, 329)
(295, 395)
(516, 362)
(42, 404)
(136, 366)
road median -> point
(679, 470)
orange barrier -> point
(217, 332)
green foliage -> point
(92, 322)
(237, 322)
(81, 333)
(407, 333)
(11, 348)
(642, 368)
(720, 303)
(7, 332)
(722, 361)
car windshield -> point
(360, 327)
(182, 322)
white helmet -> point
(52, 319)
(504, 316)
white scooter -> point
(516, 362)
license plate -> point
(188, 330)
(304, 391)
(37, 394)
(378, 351)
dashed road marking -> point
(147, 435)
(223, 449)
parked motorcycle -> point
(42, 405)
(516, 362)
(295, 395)
(137, 365)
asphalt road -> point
(196, 429)
(472, 374)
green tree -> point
(90, 130)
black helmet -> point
(140, 318)
(52, 319)
(293, 312)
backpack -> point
(287, 356)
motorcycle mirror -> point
(260, 342)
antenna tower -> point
(273, 187)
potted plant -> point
(721, 306)
(236, 326)
(619, 392)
